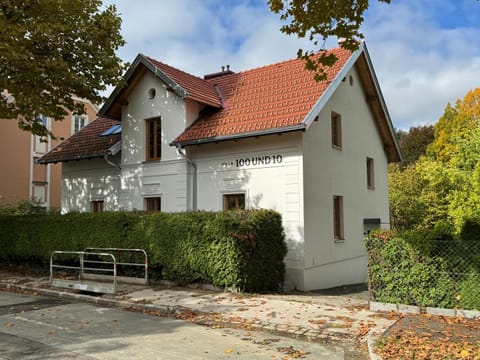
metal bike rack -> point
(97, 269)
(80, 283)
(125, 279)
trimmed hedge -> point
(404, 273)
(239, 249)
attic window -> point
(151, 94)
(113, 130)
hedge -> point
(402, 273)
(238, 249)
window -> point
(79, 121)
(153, 205)
(154, 139)
(336, 130)
(43, 120)
(96, 206)
(338, 217)
(40, 193)
(233, 201)
(370, 174)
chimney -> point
(225, 71)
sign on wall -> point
(264, 160)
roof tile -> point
(197, 89)
(85, 144)
(273, 96)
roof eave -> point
(395, 154)
(141, 60)
(73, 158)
(181, 144)
(332, 87)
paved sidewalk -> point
(336, 319)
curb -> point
(413, 309)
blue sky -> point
(426, 53)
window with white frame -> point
(40, 145)
(40, 193)
(79, 122)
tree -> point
(444, 185)
(319, 20)
(51, 50)
(414, 143)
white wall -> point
(330, 171)
(166, 178)
(89, 180)
(223, 168)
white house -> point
(269, 137)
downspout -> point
(194, 182)
(105, 157)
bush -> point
(398, 273)
(238, 249)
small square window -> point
(370, 174)
(336, 125)
(79, 122)
(153, 205)
(338, 217)
(40, 193)
(233, 201)
(96, 206)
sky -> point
(426, 53)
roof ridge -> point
(282, 62)
(174, 68)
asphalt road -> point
(34, 328)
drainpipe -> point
(182, 153)
(105, 157)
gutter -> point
(182, 153)
(181, 144)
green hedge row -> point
(401, 273)
(239, 249)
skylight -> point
(113, 130)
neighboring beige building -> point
(269, 137)
(21, 178)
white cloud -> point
(424, 53)
(420, 65)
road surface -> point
(35, 327)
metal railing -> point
(78, 283)
(97, 269)
(117, 252)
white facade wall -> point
(302, 174)
(90, 180)
(329, 171)
(166, 178)
(268, 170)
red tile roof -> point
(271, 97)
(84, 144)
(197, 88)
